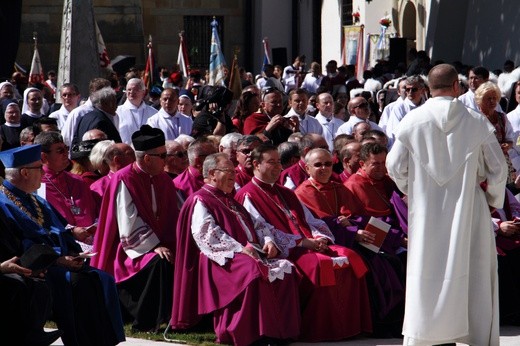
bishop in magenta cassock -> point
(190, 181)
(227, 266)
(67, 192)
(135, 237)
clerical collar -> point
(216, 190)
(13, 125)
(263, 182)
(137, 167)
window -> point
(197, 31)
(346, 12)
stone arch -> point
(409, 21)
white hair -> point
(231, 138)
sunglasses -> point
(179, 154)
(322, 164)
(162, 156)
(411, 90)
(245, 151)
(361, 105)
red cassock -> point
(334, 299)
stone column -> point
(79, 61)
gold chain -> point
(39, 220)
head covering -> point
(148, 138)
(83, 149)
(3, 84)
(187, 94)
(21, 156)
(176, 77)
(26, 92)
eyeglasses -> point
(411, 90)
(40, 167)
(179, 154)
(361, 105)
(322, 164)
(225, 170)
(161, 156)
(245, 151)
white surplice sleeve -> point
(212, 241)
(136, 236)
(319, 228)
(284, 241)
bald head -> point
(443, 80)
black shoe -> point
(44, 338)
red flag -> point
(36, 75)
(104, 60)
(148, 71)
(182, 58)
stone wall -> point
(125, 26)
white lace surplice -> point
(219, 246)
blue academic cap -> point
(21, 156)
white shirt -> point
(348, 127)
(311, 83)
(330, 128)
(131, 118)
(60, 115)
(289, 78)
(386, 113)
(72, 121)
(308, 124)
(397, 114)
(172, 126)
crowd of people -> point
(178, 205)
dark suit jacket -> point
(96, 120)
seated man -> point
(190, 181)
(375, 194)
(218, 242)
(293, 176)
(67, 192)
(176, 159)
(333, 291)
(134, 240)
(349, 157)
(244, 170)
(117, 156)
(85, 303)
(330, 201)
